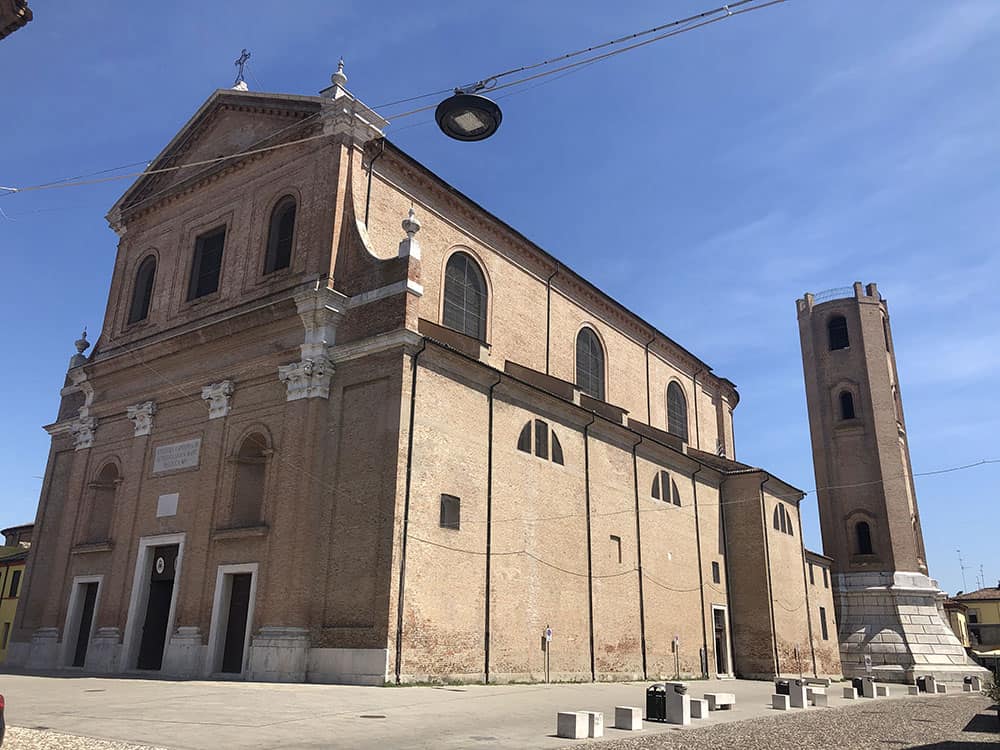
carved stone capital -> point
(321, 311)
(83, 429)
(309, 378)
(219, 396)
(142, 417)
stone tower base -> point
(894, 619)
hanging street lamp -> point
(467, 116)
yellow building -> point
(13, 556)
(983, 616)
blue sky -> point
(706, 181)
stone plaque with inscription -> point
(176, 456)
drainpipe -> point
(638, 548)
(590, 547)
(725, 564)
(770, 591)
(649, 409)
(548, 314)
(805, 584)
(371, 167)
(701, 568)
(406, 513)
(489, 530)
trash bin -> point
(656, 702)
(781, 687)
(922, 684)
(859, 684)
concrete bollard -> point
(851, 693)
(779, 702)
(572, 725)
(595, 723)
(797, 694)
(912, 690)
(699, 708)
(941, 687)
(678, 704)
(930, 684)
(628, 717)
(977, 684)
(868, 687)
(881, 691)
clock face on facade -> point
(160, 565)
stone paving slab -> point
(197, 715)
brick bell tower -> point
(887, 605)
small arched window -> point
(677, 411)
(545, 444)
(142, 291)
(837, 330)
(249, 485)
(782, 520)
(846, 405)
(665, 489)
(102, 505)
(464, 296)
(863, 532)
(280, 234)
(590, 363)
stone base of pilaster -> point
(185, 653)
(894, 619)
(279, 654)
(104, 651)
(44, 651)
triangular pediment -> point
(229, 123)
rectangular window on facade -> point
(716, 573)
(207, 263)
(15, 584)
(541, 439)
(451, 512)
(812, 577)
(973, 616)
(822, 623)
(826, 578)
(6, 635)
(616, 548)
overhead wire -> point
(677, 27)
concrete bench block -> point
(941, 688)
(912, 690)
(718, 701)
(699, 708)
(572, 725)
(780, 702)
(821, 681)
(881, 691)
(821, 700)
(628, 717)
(851, 693)
(595, 723)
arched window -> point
(846, 405)
(142, 291)
(248, 488)
(590, 363)
(280, 234)
(837, 330)
(677, 411)
(545, 444)
(465, 296)
(665, 489)
(782, 520)
(102, 505)
(864, 536)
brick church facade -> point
(342, 424)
